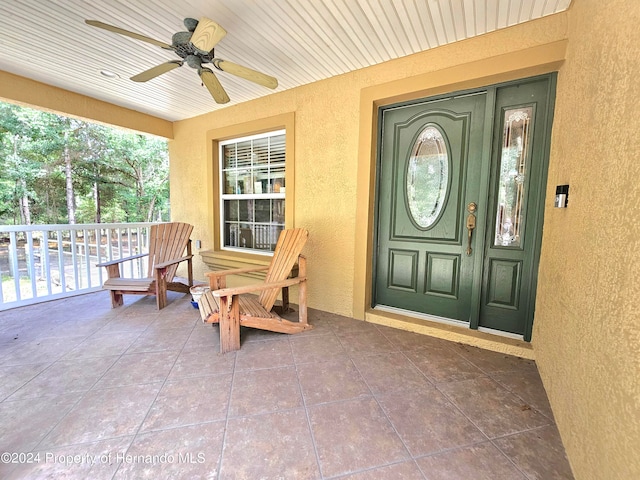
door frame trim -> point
(486, 177)
(511, 66)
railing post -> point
(30, 257)
(46, 260)
(13, 255)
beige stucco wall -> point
(587, 326)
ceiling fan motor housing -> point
(185, 49)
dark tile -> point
(366, 342)
(135, 305)
(427, 422)
(390, 372)
(102, 414)
(41, 350)
(186, 452)
(122, 323)
(406, 341)
(270, 354)
(103, 345)
(179, 317)
(329, 381)
(397, 471)
(350, 326)
(495, 410)
(189, 401)
(269, 446)
(248, 335)
(478, 462)
(137, 368)
(66, 376)
(538, 453)
(321, 321)
(68, 327)
(198, 362)
(349, 431)
(204, 335)
(15, 376)
(528, 386)
(316, 348)
(265, 390)
(493, 362)
(12, 337)
(442, 364)
(154, 340)
(354, 435)
(24, 423)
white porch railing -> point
(44, 262)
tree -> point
(145, 162)
(22, 161)
(56, 169)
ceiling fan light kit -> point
(195, 47)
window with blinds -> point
(252, 186)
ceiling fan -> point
(195, 47)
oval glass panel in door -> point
(428, 177)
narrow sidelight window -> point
(514, 166)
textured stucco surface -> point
(586, 326)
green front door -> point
(429, 172)
(459, 204)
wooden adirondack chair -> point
(231, 308)
(167, 244)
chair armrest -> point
(173, 261)
(120, 260)
(235, 271)
(228, 292)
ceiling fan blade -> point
(213, 85)
(127, 33)
(156, 71)
(207, 35)
(246, 73)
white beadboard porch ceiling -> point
(297, 41)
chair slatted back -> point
(167, 241)
(285, 256)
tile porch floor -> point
(91, 392)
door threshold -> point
(451, 330)
(492, 331)
(422, 316)
(445, 320)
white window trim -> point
(244, 196)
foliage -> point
(56, 169)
